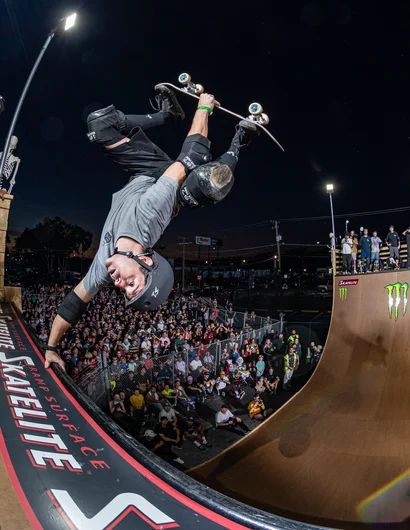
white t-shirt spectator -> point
(376, 242)
(170, 415)
(347, 245)
(220, 417)
(146, 344)
(195, 364)
(181, 366)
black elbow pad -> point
(72, 308)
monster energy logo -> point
(395, 291)
(343, 293)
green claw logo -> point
(395, 290)
(343, 293)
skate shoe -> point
(168, 103)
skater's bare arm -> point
(176, 172)
(200, 121)
(60, 326)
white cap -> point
(149, 433)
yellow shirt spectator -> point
(137, 401)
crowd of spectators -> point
(162, 364)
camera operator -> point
(257, 409)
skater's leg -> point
(168, 107)
(108, 127)
(144, 121)
(244, 131)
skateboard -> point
(256, 114)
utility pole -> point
(183, 243)
(278, 240)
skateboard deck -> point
(256, 116)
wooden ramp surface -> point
(338, 453)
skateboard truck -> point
(190, 87)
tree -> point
(55, 239)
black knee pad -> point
(106, 126)
(207, 184)
(195, 152)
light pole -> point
(64, 25)
(329, 189)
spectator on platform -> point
(365, 244)
(375, 250)
(224, 419)
(355, 244)
(347, 245)
(393, 242)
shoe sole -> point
(174, 99)
(249, 126)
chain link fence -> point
(98, 382)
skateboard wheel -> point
(199, 89)
(184, 79)
(264, 119)
(255, 108)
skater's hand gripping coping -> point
(52, 357)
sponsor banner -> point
(65, 469)
(348, 283)
(397, 299)
(343, 293)
(203, 241)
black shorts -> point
(140, 156)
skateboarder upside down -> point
(142, 210)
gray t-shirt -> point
(141, 211)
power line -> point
(342, 215)
(314, 218)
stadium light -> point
(329, 189)
(64, 24)
(70, 21)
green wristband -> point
(203, 107)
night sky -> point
(333, 77)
